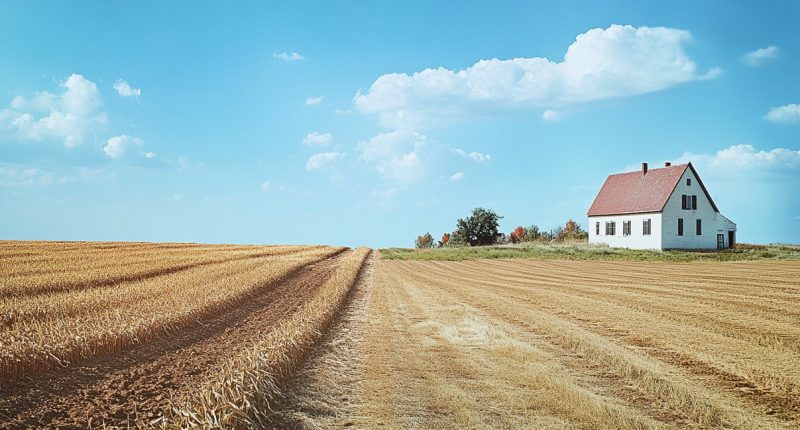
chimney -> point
(644, 168)
(667, 164)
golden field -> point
(583, 344)
(132, 333)
(227, 336)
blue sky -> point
(367, 124)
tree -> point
(445, 240)
(424, 241)
(517, 235)
(478, 229)
(532, 233)
(571, 231)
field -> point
(136, 334)
(590, 344)
(228, 336)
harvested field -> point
(583, 344)
(133, 336)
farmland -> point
(230, 336)
(588, 344)
(119, 334)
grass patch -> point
(583, 251)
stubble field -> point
(227, 336)
(583, 344)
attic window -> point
(688, 182)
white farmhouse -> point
(666, 208)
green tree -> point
(532, 233)
(424, 241)
(478, 229)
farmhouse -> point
(666, 208)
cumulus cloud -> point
(125, 90)
(746, 157)
(318, 139)
(118, 146)
(457, 176)
(322, 160)
(760, 56)
(395, 155)
(601, 63)
(66, 117)
(474, 155)
(313, 101)
(288, 56)
(788, 114)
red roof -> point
(634, 192)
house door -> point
(720, 241)
(731, 239)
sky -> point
(370, 123)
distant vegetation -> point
(481, 228)
(583, 251)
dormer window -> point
(688, 182)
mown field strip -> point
(733, 322)
(686, 394)
(41, 331)
(769, 369)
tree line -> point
(482, 228)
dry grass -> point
(590, 344)
(63, 302)
(247, 386)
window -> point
(688, 182)
(626, 228)
(694, 202)
(699, 227)
(611, 228)
(684, 202)
(597, 228)
(646, 227)
(680, 226)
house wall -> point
(712, 221)
(636, 240)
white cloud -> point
(68, 116)
(322, 160)
(477, 156)
(20, 175)
(14, 176)
(600, 64)
(551, 115)
(457, 176)
(745, 157)
(318, 139)
(788, 114)
(117, 146)
(288, 56)
(759, 56)
(268, 186)
(125, 90)
(313, 101)
(395, 155)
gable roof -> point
(634, 192)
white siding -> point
(636, 240)
(711, 220)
